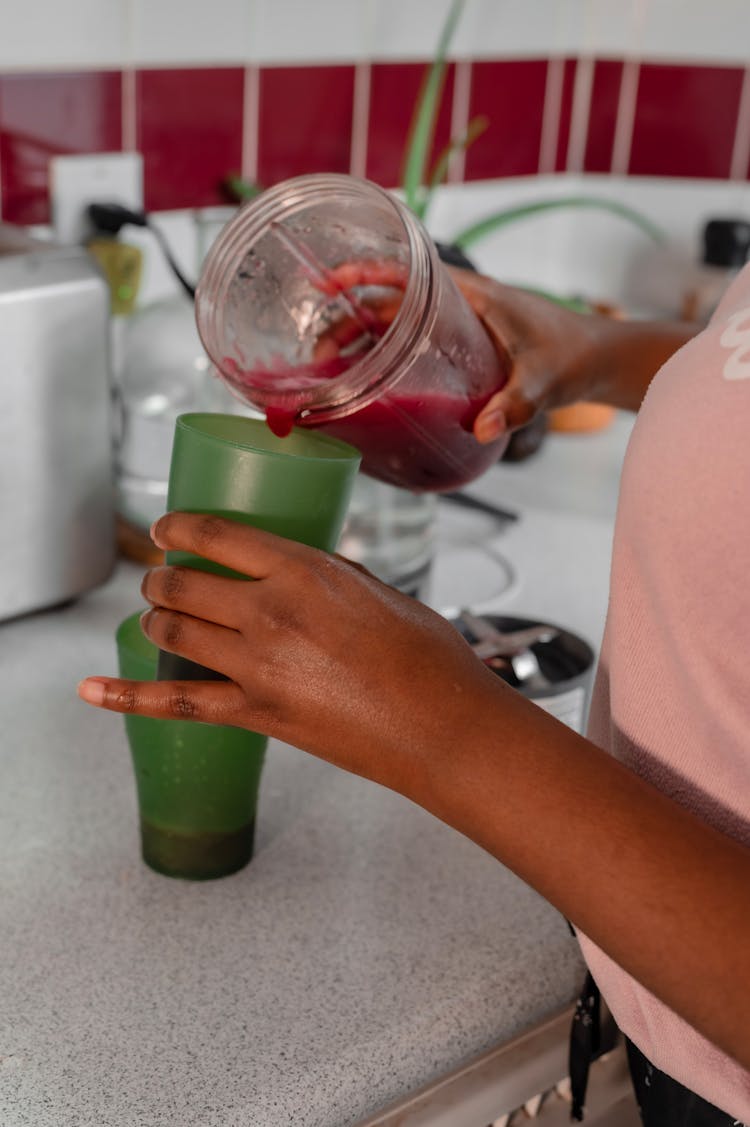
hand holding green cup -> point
(231, 466)
(198, 783)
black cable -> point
(110, 218)
(187, 286)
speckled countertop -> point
(367, 948)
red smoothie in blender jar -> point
(423, 444)
(411, 435)
(342, 317)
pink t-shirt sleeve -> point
(672, 696)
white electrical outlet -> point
(77, 181)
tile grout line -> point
(129, 111)
(626, 104)
(129, 90)
(739, 167)
(627, 99)
(360, 119)
(579, 115)
(250, 123)
(460, 118)
(553, 90)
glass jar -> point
(324, 303)
(163, 372)
(392, 533)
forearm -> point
(558, 357)
(326, 658)
(666, 896)
(622, 357)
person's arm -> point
(557, 356)
(325, 657)
(665, 895)
(561, 357)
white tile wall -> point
(520, 28)
(529, 252)
(303, 31)
(111, 33)
(586, 252)
(404, 29)
(608, 27)
(61, 34)
(715, 30)
(181, 32)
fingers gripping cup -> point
(230, 466)
(324, 303)
(197, 784)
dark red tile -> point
(605, 100)
(305, 121)
(189, 130)
(511, 95)
(566, 109)
(45, 115)
(685, 120)
(394, 92)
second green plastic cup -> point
(197, 784)
(232, 466)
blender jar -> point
(324, 304)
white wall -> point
(120, 33)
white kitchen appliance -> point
(57, 534)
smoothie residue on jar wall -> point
(324, 304)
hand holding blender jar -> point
(324, 304)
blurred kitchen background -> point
(643, 101)
(177, 108)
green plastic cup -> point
(197, 784)
(229, 465)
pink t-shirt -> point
(672, 697)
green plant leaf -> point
(422, 129)
(475, 129)
(490, 223)
(240, 189)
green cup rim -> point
(326, 448)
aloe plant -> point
(420, 180)
(419, 183)
(239, 189)
(422, 130)
(499, 219)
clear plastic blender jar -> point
(324, 304)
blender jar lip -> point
(387, 360)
